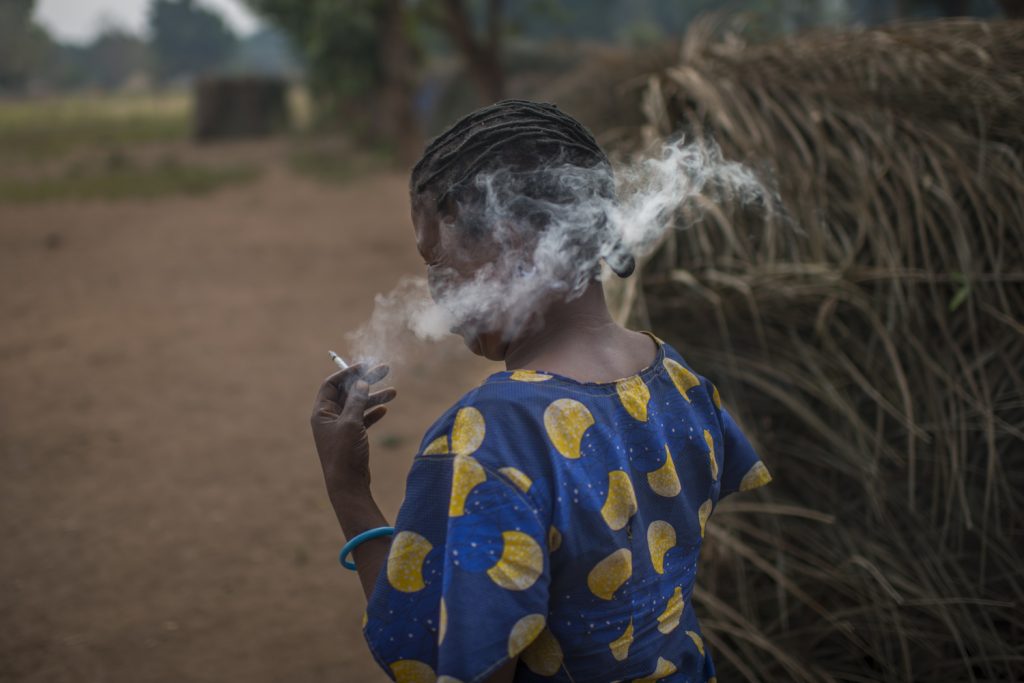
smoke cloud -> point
(584, 225)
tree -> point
(480, 50)
(1014, 9)
(114, 57)
(361, 60)
(23, 45)
(187, 39)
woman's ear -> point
(621, 264)
(628, 267)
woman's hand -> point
(343, 411)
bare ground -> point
(161, 505)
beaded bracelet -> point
(359, 538)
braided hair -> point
(532, 157)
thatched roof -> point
(870, 339)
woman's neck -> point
(579, 339)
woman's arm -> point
(344, 409)
(358, 512)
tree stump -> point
(239, 107)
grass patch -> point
(51, 127)
(121, 179)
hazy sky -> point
(78, 20)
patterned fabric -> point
(560, 522)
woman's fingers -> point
(333, 393)
(372, 417)
(355, 402)
(333, 388)
(326, 411)
(376, 373)
(380, 397)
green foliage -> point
(23, 46)
(114, 57)
(268, 52)
(187, 39)
(338, 41)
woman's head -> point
(511, 208)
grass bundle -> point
(867, 334)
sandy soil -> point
(161, 505)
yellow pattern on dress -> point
(668, 620)
(710, 441)
(566, 420)
(756, 476)
(634, 395)
(554, 539)
(468, 431)
(520, 564)
(609, 574)
(544, 655)
(664, 668)
(620, 646)
(525, 632)
(620, 504)
(661, 537)
(466, 474)
(681, 377)
(665, 480)
(702, 515)
(405, 561)
(529, 376)
(442, 622)
(697, 640)
(517, 477)
(412, 671)
(438, 446)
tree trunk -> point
(954, 8)
(1013, 9)
(482, 60)
(398, 118)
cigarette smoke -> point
(510, 292)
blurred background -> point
(199, 197)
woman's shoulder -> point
(684, 376)
(493, 408)
(499, 422)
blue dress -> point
(560, 522)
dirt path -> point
(161, 506)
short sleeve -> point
(466, 582)
(742, 469)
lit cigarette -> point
(338, 360)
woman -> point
(553, 517)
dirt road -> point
(161, 505)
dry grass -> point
(869, 337)
(32, 129)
